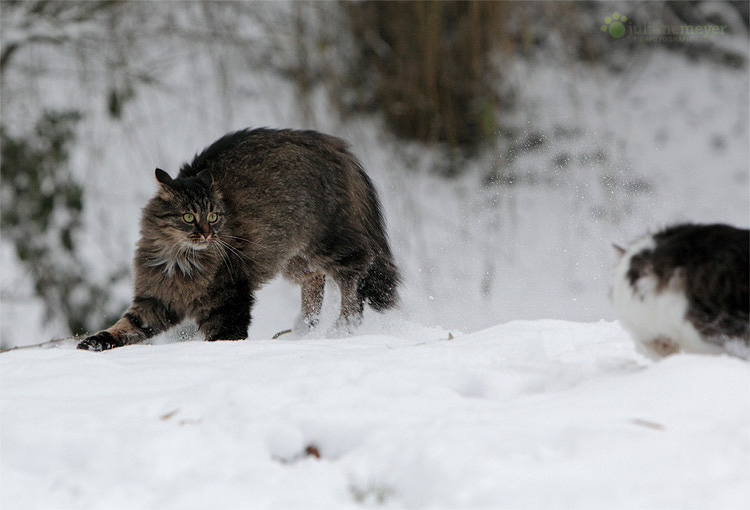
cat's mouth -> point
(199, 242)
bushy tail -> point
(380, 283)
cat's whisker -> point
(243, 240)
(227, 250)
(233, 250)
(224, 256)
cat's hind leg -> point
(348, 274)
(347, 270)
(312, 286)
(352, 306)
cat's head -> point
(189, 211)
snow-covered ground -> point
(530, 414)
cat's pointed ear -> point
(619, 250)
(162, 177)
(205, 177)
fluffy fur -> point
(254, 204)
(686, 289)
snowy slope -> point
(542, 414)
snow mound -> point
(542, 414)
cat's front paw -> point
(101, 341)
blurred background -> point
(510, 142)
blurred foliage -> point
(41, 214)
(105, 33)
(437, 71)
(428, 67)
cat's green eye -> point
(188, 217)
(213, 217)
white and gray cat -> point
(685, 289)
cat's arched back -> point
(254, 204)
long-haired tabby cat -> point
(686, 288)
(254, 204)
